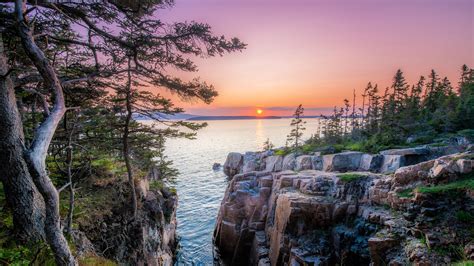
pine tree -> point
(346, 117)
(411, 114)
(268, 145)
(429, 102)
(465, 108)
(400, 91)
(373, 111)
(298, 127)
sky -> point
(316, 52)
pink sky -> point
(316, 52)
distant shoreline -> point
(187, 117)
(202, 118)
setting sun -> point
(259, 111)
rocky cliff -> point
(107, 230)
(399, 207)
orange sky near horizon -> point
(316, 52)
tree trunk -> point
(21, 194)
(69, 161)
(126, 149)
(35, 156)
(52, 225)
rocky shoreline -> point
(149, 239)
(398, 207)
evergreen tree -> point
(297, 125)
(373, 111)
(346, 117)
(465, 108)
(411, 114)
(429, 102)
(400, 91)
(268, 145)
(112, 35)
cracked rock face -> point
(313, 217)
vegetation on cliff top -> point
(465, 182)
(349, 177)
(455, 186)
(430, 111)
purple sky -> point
(316, 52)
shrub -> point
(15, 256)
(282, 152)
(467, 183)
(406, 193)
(355, 146)
(95, 260)
(464, 216)
(157, 185)
(467, 133)
(307, 148)
(464, 263)
(350, 177)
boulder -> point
(303, 162)
(410, 155)
(378, 247)
(391, 163)
(289, 162)
(274, 163)
(438, 151)
(412, 174)
(250, 162)
(233, 164)
(317, 162)
(369, 162)
(216, 166)
(444, 166)
(465, 166)
(342, 162)
(407, 151)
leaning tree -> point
(122, 47)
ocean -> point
(200, 189)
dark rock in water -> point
(216, 166)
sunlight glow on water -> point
(200, 189)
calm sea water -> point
(200, 189)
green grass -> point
(406, 193)
(467, 133)
(15, 256)
(173, 190)
(307, 148)
(350, 177)
(355, 146)
(456, 186)
(439, 144)
(96, 261)
(464, 263)
(282, 152)
(464, 216)
(157, 185)
(424, 242)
